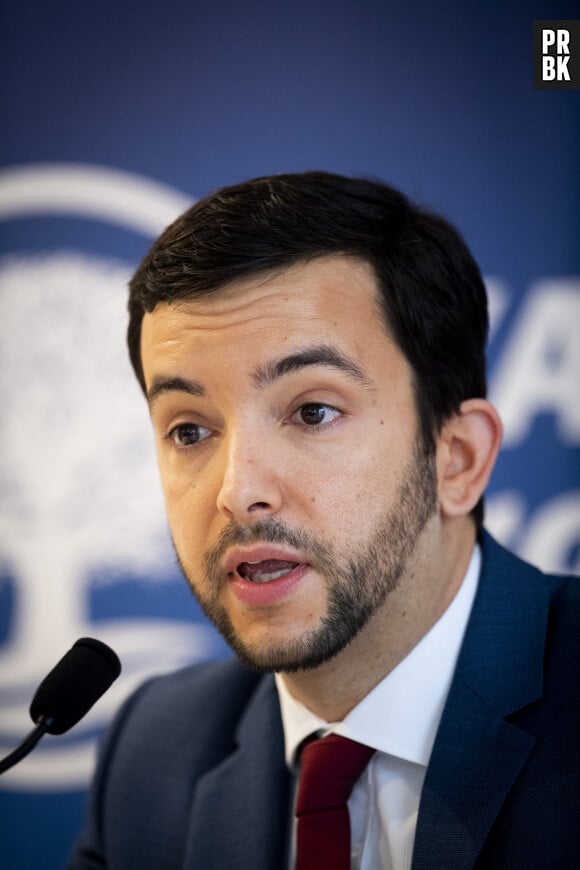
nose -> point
(251, 483)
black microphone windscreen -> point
(79, 679)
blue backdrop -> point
(115, 120)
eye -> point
(187, 434)
(316, 414)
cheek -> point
(350, 492)
(187, 508)
(343, 496)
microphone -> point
(68, 692)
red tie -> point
(329, 769)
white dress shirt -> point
(399, 719)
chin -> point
(303, 653)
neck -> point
(426, 589)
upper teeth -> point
(270, 575)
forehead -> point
(330, 299)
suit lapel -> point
(477, 753)
(240, 809)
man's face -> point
(296, 489)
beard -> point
(358, 579)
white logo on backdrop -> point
(78, 487)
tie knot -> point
(329, 769)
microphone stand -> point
(27, 744)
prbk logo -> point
(557, 55)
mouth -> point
(264, 575)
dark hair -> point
(432, 293)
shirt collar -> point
(400, 716)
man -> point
(312, 351)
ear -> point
(467, 448)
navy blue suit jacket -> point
(192, 774)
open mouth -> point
(265, 571)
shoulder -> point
(532, 621)
(507, 572)
(201, 705)
(228, 681)
(522, 584)
(524, 627)
(168, 736)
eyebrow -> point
(320, 355)
(161, 384)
